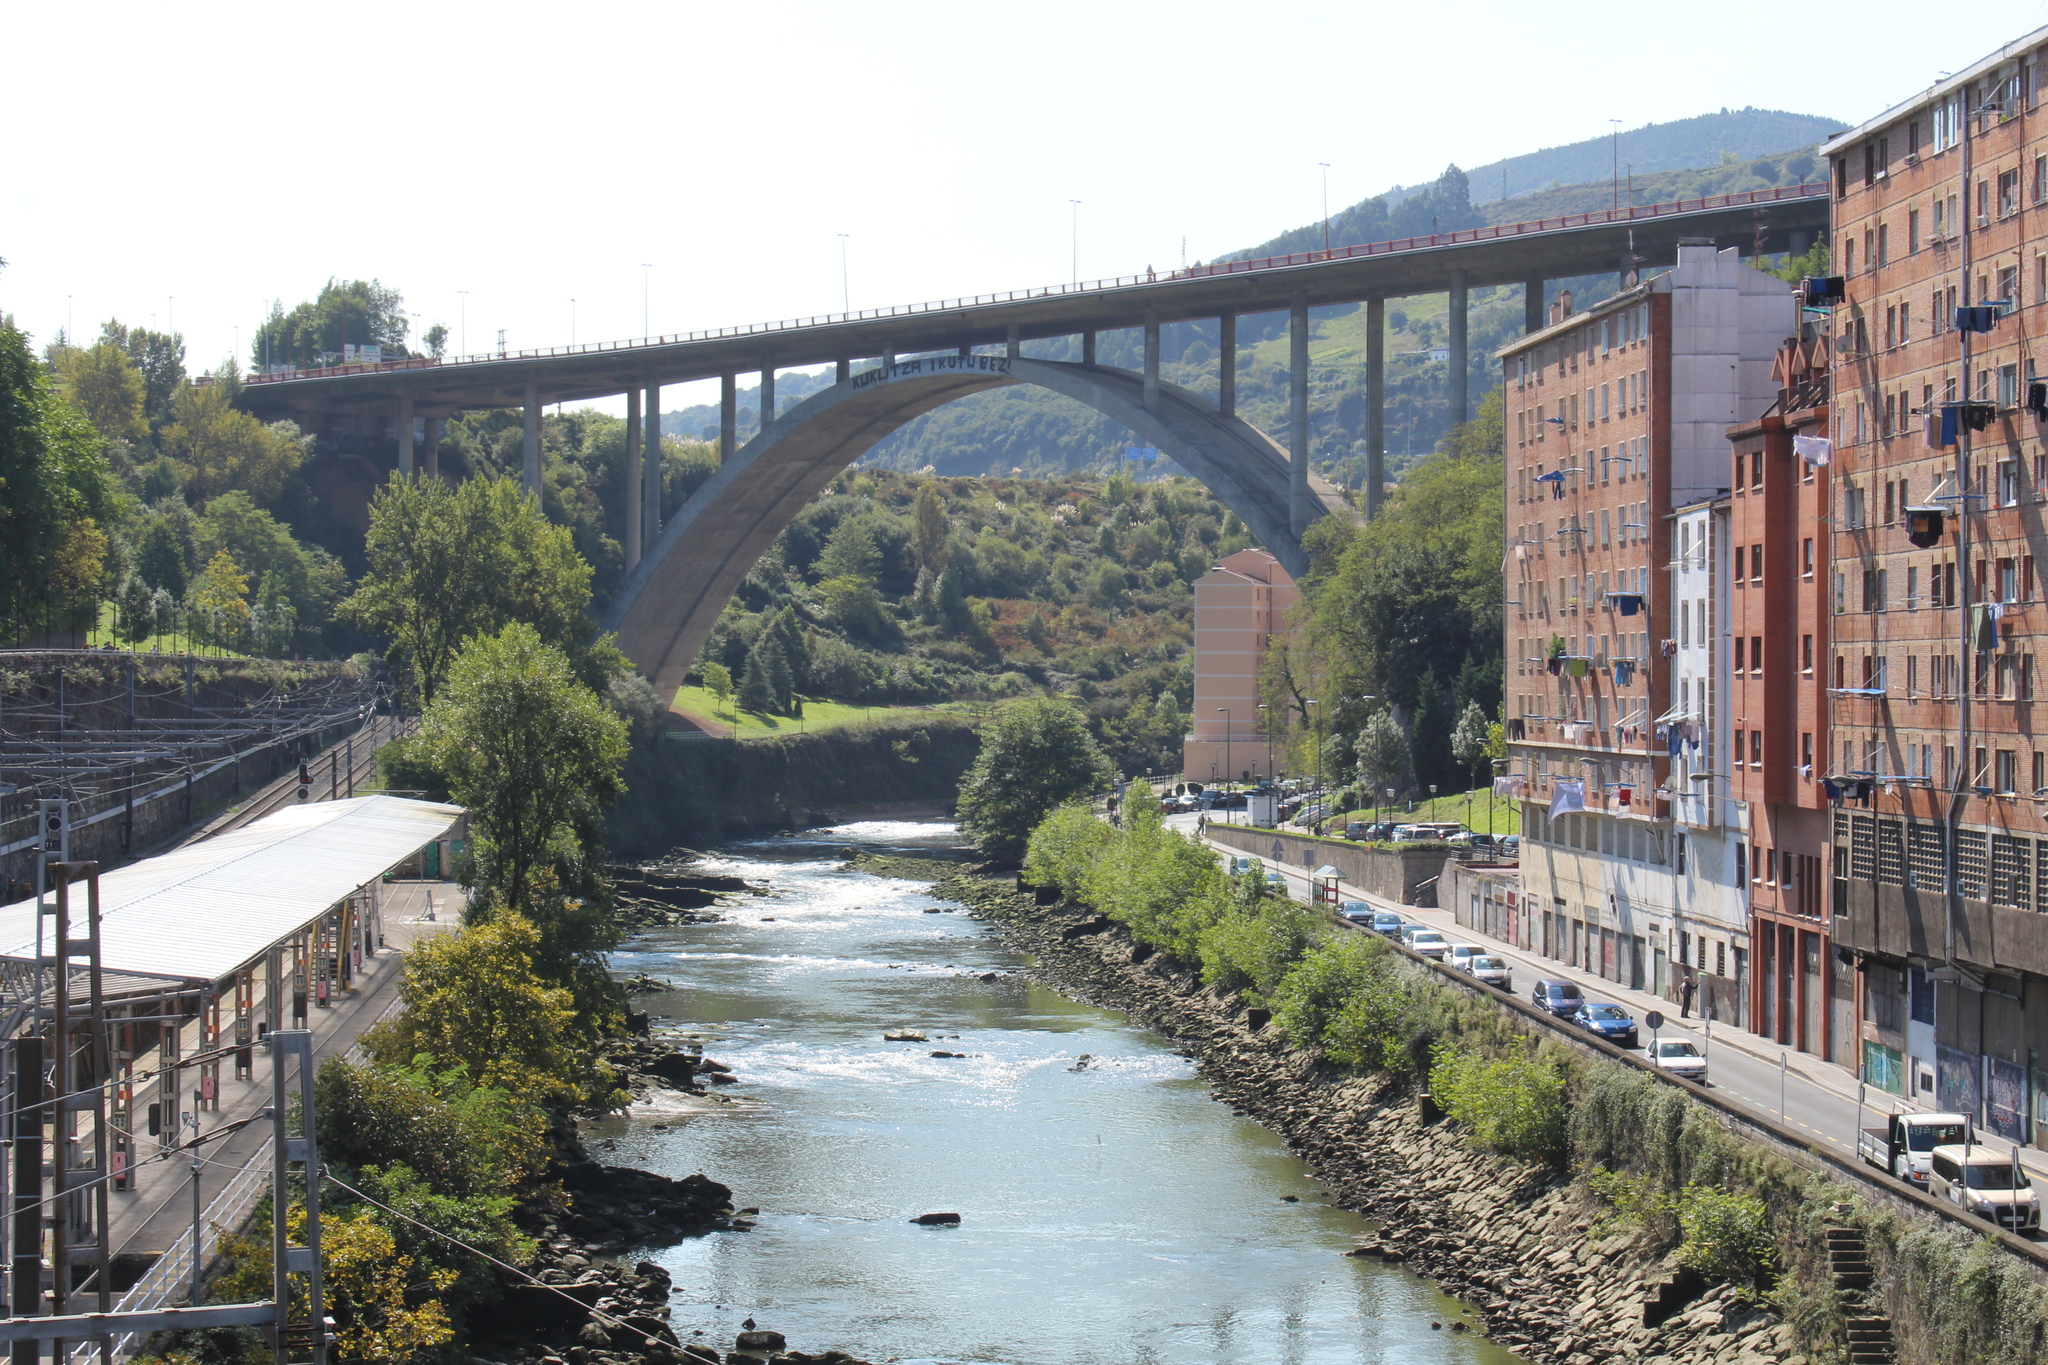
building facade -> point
(1615, 417)
(1940, 848)
(1240, 606)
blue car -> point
(1388, 923)
(1610, 1022)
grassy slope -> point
(700, 706)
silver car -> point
(1462, 953)
(1430, 943)
(1680, 1057)
(1493, 971)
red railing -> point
(1635, 214)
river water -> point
(1112, 1214)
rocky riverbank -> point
(1520, 1243)
(666, 891)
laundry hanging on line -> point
(1815, 450)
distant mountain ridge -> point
(1731, 136)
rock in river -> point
(904, 1035)
(937, 1220)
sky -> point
(607, 170)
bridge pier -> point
(1014, 346)
(1532, 306)
(531, 452)
(1226, 364)
(1375, 404)
(766, 397)
(728, 416)
(434, 446)
(1461, 401)
(650, 470)
(1299, 514)
(1088, 348)
(405, 436)
(1151, 362)
(633, 479)
(966, 352)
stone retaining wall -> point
(1406, 876)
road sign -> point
(1654, 1019)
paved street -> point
(1819, 1098)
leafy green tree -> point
(718, 681)
(536, 757)
(345, 313)
(307, 579)
(1470, 741)
(1382, 749)
(159, 357)
(216, 446)
(1035, 757)
(1064, 847)
(757, 693)
(103, 384)
(447, 564)
(851, 552)
(1253, 946)
(53, 477)
(1510, 1104)
(220, 599)
(775, 672)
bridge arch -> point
(667, 606)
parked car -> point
(1462, 953)
(1430, 944)
(1985, 1181)
(1561, 998)
(1381, 831)
(1238, 867)
(1358, 912)
(1276, 883)
(1492, 971)
(1387, 923)
(1607, 1021)
(1510, 846)
(1356, 829)
(1680, 1057)
(1408, 931)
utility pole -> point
(1617, 163)
(1076, 239)
(1326, 206)
(845, 284)
(646, 296)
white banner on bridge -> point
(930, 365)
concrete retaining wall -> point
(1407, 876)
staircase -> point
(1870, 1337)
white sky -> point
(191, 162)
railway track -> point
(340, 770)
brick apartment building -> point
(1616, 418)
(1940, 853)
(1240, 605)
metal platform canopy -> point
(202, 912)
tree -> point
(1469, 740)
(307, 579)
(477, 999)
(1035, 757)
(757, 693)
(436, 339)
(1382, 749)
(536, 757)
(928, 541)
(220, 597)
(718, 681)
(107, 388)
(447, 564)
(159, 357)
(851, 552)
(216, 446)
(351, 313)
(53, 475)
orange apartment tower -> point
(1240, 605)
(1939, 845)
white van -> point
(1987, 1182)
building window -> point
(2008, 771)
(1912, 232)
(2008, 193)
(1806, 655)
(2009, 397)
(1756, 563)
(1806, 559)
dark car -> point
(1381, 832)
(1356, 830)
(1388, 923)
(1610, 1022)
(1358, 912)
(1561, 998)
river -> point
(1112, 1213)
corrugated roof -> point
(200, 912)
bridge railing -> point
(1633, 214)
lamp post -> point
(1432, 800)
(1315, 737)
(1076, 239)
(1224, 711)
(845, 285)
(1266, 731)
(1326, 206)
(646, 295)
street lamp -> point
(1224, 711)
(845, 287)
(1315, 735)
(1076, 239)
(1266, 730)
(646, 295)
(1326, 206)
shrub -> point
(1063, 849)
(1726, 1237)
(1513, 1105)
(1254, 944)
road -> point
(1813, 1096)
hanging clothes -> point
(1932, 428)
(1517, 729)
(1948, 425)
(1624, 672)
(1983, 628)
(1578, 667)
(1627, 603)
(1566, 796)
(1833, 792)
(1815, 450)
(1555, 663)
(1674, 742)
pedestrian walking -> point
(1201, 823)
(1685, 989)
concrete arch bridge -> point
(673, 597)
